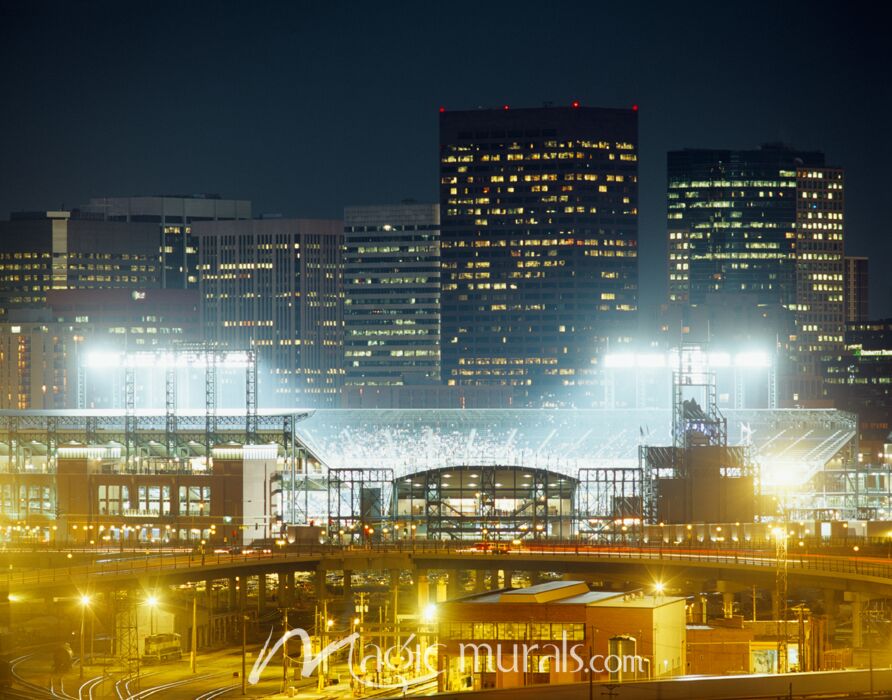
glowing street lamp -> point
(429, 614)
(152, 603)
(85, 603)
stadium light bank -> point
(105, 359)
(752, 359)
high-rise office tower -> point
(857, 278)
(539, 246)
(766, 224)
(819, 308)
(732, 222)
(392, 295)
(276, 286)
(174, 216)
(42, 251)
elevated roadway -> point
(748, 566)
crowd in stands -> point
(565, 441)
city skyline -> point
(338, 340)
(289, 117)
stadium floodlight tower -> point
(695, 423)
(205, 356)
(699, 478)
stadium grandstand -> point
(559, 471)
(511, 472)
(563, 441)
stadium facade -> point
(381, 474)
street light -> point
(194, 641)
(429, 614)
(152, 602)
(85, 603)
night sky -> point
(306, 107)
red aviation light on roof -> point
(442, 109)
(634, 108)
(575, 104)
(506, 107)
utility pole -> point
(396, 614)
(285, 650)
(244, 652)
(804, 653)
(244, 582)
(870, 647)
(194, 655)
(781, 593)
(591, 672)
(82, 651)
(359, 623)
(323, 635)
(754, 603)
(136, 631)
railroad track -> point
(85, 691)
(33, 689)
(154, 690)
(216, 693)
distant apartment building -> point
(173, 216)
(539, 247)
(276, 286)
(44, 352)
(58, 250)
(857, 291)
(767, 225)
(392, 295)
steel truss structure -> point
(207, 356)
(608, 500)
(303, 481)
(147, 432)
(699, 452)
(853, 492)
(492, 502)
(126, 612)
(31, 442)
(695, 423)
(361, 503)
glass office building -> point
(539, 246)
(766, 224)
